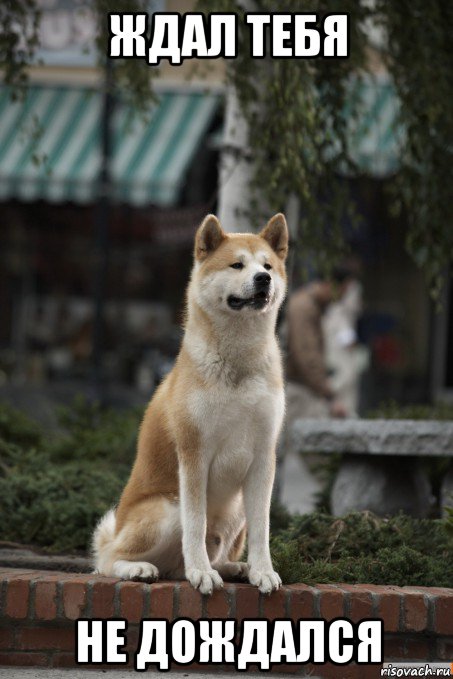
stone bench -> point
(380, 469)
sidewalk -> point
(74, 673)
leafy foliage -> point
(19, 20)
(420, 60)
(133, 79)
(55, 506)
(19, 40)
(296, 115)
(449, 521)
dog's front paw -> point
(135, 570)
(238, 570)
(266, 580)
(204, 580)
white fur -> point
(135, 570)
(103, 537)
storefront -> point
(163, 177)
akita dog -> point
(205, 462)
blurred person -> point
(346, 359)
(309, 391)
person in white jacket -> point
(346, 359)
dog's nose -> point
(262, 279)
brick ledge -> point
(38, 610)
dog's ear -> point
(276, 234)
(209, 236)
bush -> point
(361, 547)
(94, 434)
(18, 428)
(391, 410)
(54, 489)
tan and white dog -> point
(206, 451)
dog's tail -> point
(102, 542)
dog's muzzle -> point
(260, 298)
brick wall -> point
(38, 610)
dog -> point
(205, 463)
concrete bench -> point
(380, 470)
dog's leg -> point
(193, 485)
(257, 500)
(222, 561)
(229, 566)
(238, 545)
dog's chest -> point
(224, 413)
(233, 424)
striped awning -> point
(375, 136)
(50, 145)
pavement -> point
(76, 673)
(17, 556)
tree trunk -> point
(236, 169)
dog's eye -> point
(237, 265)
(268, 267)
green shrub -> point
(16, 427)
(361, 547)
(92, 433)
(391, 410)
(53, 490)
(54, 506)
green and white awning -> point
(374, 134)
(50, 145)
(50, 142)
